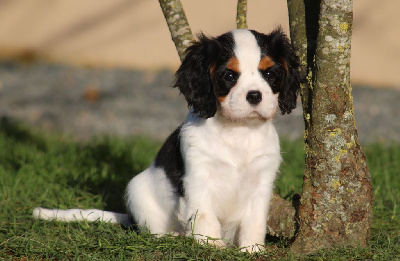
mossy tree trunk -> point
(336, 201)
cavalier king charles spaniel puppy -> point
(213, 177)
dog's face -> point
(241, 75)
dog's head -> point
(240, 75)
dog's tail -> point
(91, 215)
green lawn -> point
(56, 172)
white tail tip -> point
(71, 215)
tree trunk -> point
(241, 14)
(336, 201)
(177, 24)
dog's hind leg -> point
(152, 203)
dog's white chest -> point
(229, 166)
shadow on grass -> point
(100, 167)
(16, 131)
(113, 162)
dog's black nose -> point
(254, 97)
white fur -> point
(230, 162)
(80, 215)
(230, 171)
(235, 106)
(151, 199)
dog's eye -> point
(270, 76)
(274, 77)
(230, 76)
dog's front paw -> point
(252, 249)
(216, 242)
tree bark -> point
(177, 24)
(336, 201)
(241, 15)
(282, 221)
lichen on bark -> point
(336, 202)
(177, 24)
(241, 14)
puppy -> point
(214, 175)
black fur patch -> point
(193, 77)
(169, 158)
(277, 46)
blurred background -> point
(103, 67)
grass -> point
(56, 172)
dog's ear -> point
(193, 77)
(280, 48)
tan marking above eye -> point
(233, 64)
(265, 63)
